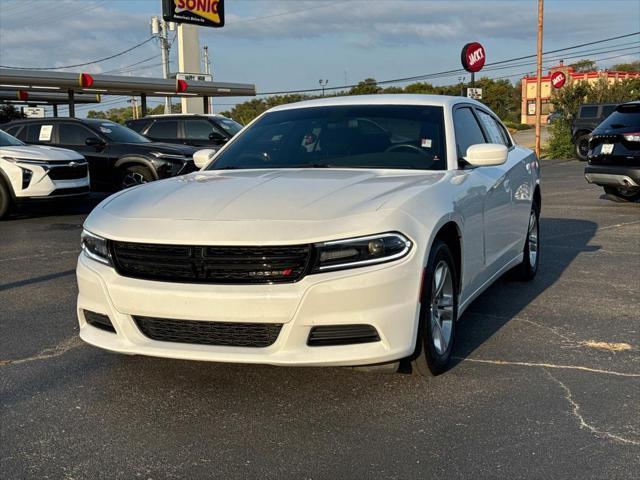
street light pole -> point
(539, 78)
(323, 84)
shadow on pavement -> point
(505, 299)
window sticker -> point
(105, 130)
(45, 133)
(425, 143)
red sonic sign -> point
(558, 79)
(472, 57)
(205, 13)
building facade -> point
(529, 88)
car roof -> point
(88, 121)
(446, 101)
(205, 115)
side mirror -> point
(202, 158)
(486, 154)
(93, 142)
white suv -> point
(38, 172)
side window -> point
(138, 125)
(468, 131)
(164, 129)
(197, 129)
(589, 112)
(493, 128)
(37, 133)
(72, 134)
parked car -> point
(587, 118)
(614, 154)
(37, 173)
(364, 249)
(118, 157)
(553, 116)
(188, 129)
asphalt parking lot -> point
(545, 383)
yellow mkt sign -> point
(206, 13)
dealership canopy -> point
(84, 83)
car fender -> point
(5, 179)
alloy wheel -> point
(442, 297)
(131, 179)
(532, 239)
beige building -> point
(529, 88)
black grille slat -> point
(342, 335)
(211, 264)
(230, 334)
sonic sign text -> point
(206, 13)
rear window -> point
(589, 112)
(164, 129)
(625, 116)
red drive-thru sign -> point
(181, 86)
(558, 79)
(85, 80)
(472, 57)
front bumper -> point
(613, 176)
(383, 296)
(40, 185)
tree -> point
(584, 65)
(366, 87)
(627, 67)
(8, 113)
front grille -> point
(219, 265)
(342, 335)
(227, 334)
(68, 173)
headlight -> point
(360, 251)
(168, 156)
(95, 247)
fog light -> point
(376, 248)
(26, 177)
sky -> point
(292, 44)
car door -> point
(496, 190)
(86, 142)
(200, 132)
(520, 186)
(164, 130)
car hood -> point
(287, 194)
(33, 152)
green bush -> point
(559, 145)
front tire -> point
(531, 252)
(135, 175)
(5, 200)
(619, 194)
(438, 313)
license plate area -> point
(606, 149)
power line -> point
(86, 63)
(446, 72)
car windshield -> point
(352, 136)
(7, 140)
(625, 116)
(230, 126)
(118, 134)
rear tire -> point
(5, 200)
(531, 252)
(438, 313)
(581, 147)
(618, 194)
(135, 175)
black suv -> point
(118, 157)
(211, 131)
(588, 118)
(614, 154)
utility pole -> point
(539, 78)
(159, 29)
(207, 70)
(323, 84)
(134, 107)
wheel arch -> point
(131, 161)
(4, 179)
(449, 230)
(537, 197)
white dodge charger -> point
(341, 231)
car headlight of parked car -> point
(95, 247)
(361, 251)
(168, 156)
